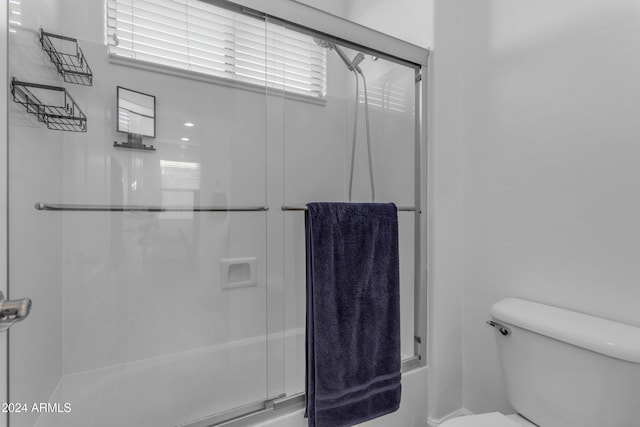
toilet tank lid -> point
(603, 336)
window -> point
(198, 37)
(180, 186)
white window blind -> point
(196, 36)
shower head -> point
(356, 61)
(331, 45)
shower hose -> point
(357, 71)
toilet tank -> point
(567, 369)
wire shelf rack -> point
(66, 55)
(52, 105)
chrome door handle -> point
(12, 311)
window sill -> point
(205, 78)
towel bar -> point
(304, 208)
(135, 208)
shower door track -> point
(248, 415)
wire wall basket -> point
(52, 105)
(66, 55)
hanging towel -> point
(353, 313)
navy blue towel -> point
(353, 313)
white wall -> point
(334, 7)
(548, 118)
(445, 207)
(409, 20)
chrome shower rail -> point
(304, 208)
(136, 208)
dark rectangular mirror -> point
(136, 112)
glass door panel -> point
(319, 143)
(147, 268)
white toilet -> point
(563, 369)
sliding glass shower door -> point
(146, 259)
(360, 144)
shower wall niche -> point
(132, 323)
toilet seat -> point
(493, 419)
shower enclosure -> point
(160, 154)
